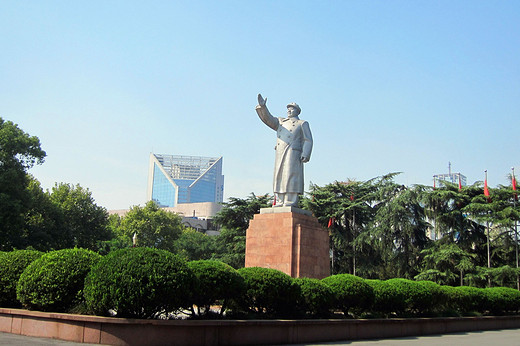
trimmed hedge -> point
(386, 298)
(439, 297)
(501, 299)
(152, 283)
(316, 297)
(351, 293)
(12, 265)
(139, 282)
(269, 292)
(416, 296)
(466, 299)
(54, 282)
(215, 281)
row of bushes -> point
(152, 283)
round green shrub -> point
(466, 299)
(268, 291)
(138, 283)
(438, 297)
(316, 297)
(215, 281)
(54, 282)
(387, 299)
(416, 296)
(499, 300)
(12, 265)
(350, 292)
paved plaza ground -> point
(510, 337)
(494, 337)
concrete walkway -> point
(20, 340)
(493, 337)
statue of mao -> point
(293, 148)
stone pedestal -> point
(290, 240)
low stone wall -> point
(116, 331)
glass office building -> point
(175, 179)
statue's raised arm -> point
(264, 114)
(261, 100)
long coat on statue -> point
(294, 140)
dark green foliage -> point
(269, 292)
(106, 246)
(43, 229)
(233, 220)
(194, 245)
(117, 240)
(152, 226)
(12, 265)
(504, 276)
(500, 300)
(216, 281)
(65, 217)
(316, 297)
(402, 296)
(416, 296)
(439, 297)
(139, 283)
(445, 264)
(231, 247)
(54, 282)
(350, 207)
(466, 299)
(236, 213)
(351, 293)
(81, 221)
(387, 299)
(18, 153)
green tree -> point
(233, 220)
(194, 245)
(346, 208)
(152, 226)
(446, 264)
(502, 213)
(400, 227)
(377, 226)
(451, 211)
(118, 240)
(18, 153)
(43, 221)
(81, 221)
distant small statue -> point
(293, 149)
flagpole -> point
(486, 192)
(513, 184)
(353, 238)
(435, 214)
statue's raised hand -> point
(261, 100)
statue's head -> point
(293, 110)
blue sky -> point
(386, 86)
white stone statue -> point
(293, 149)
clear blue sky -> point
(386, 86)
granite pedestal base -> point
(290, 240)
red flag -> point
(460, 183)
(486, 190)
(513, 183)
(331, 222)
